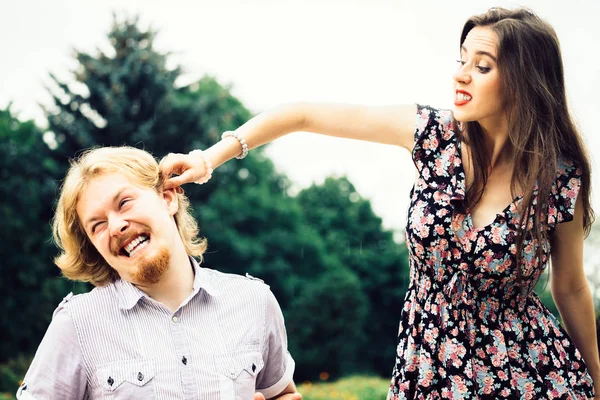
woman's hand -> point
(187, 168)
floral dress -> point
(467, 331)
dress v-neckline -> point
(468, 214)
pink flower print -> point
(447, 394)
(459, 384)
(498, 360)
(438, 196)
(439, 229)
(440, 167)
(574, 183)
(455, 253)
(419, 249)
(498, 234)
(428, 336)
(412, 362)
(488, 384)
(426, 173)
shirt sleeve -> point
(278, 371)
(57, 370)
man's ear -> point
(170, 197)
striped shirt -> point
(226, 340)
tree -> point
(31, 285)
(351, 230)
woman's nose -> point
(462, 75)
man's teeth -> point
(141, 246)
(462, 96)
(129, 249)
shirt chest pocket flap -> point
(131, 376)
(239, 365)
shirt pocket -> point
(127, 379)
(237, 374)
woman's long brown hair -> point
(541, 130)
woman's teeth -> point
(463, 97)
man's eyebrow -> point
(481, 53)
(114, 200)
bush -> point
(11, 374)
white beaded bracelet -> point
(207, 165)
(239, 139)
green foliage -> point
(351, 230)
(328, 324)
(31, 284)
(350, 388)
(11, 374)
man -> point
(157, 325)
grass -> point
(350, 388)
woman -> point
(503, 186)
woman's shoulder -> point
(428, 116)
(435, 128)
(566, 188)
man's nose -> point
(117, 226)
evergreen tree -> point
(351, 230)
(31, 285)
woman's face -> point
(477, 88)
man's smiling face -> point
(132, 227)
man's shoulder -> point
(228, 282)
(96, 296)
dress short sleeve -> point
(435, 153)
(561, 206)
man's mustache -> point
(117, 243)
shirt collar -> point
(129, 295)
(203, 280)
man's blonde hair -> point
(79, 259)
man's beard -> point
(152, 269)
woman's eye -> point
(483, 70)
(123, 202)
(461, 62)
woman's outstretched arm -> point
(383, 124)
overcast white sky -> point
(369, 51)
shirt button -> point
(231, 372)
(174, 318)
(184, 360)
(140, 377)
